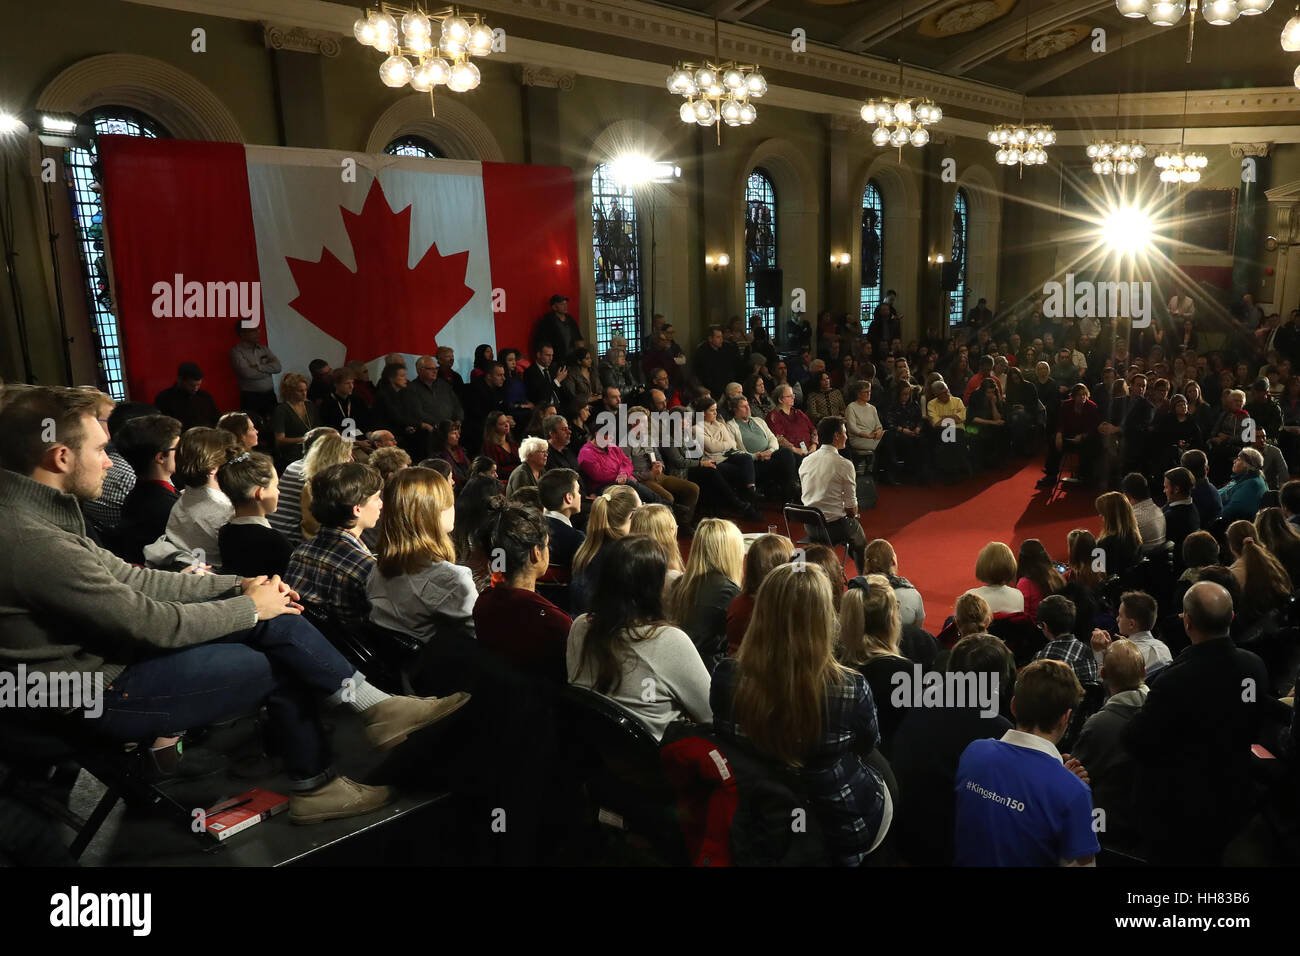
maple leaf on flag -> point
(384, 306)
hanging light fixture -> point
(717, 92)
(1218, 13)
(1180, 165)
(1023, 144)
(1291, 32)
(900, 122)
(427, 50)
(1119, 155)
(1133, 8)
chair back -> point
(813, 521)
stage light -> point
(1127, 230)
(9, 123)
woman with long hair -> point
(1280, 537)
(788, 696)
(1175, 433)
(240, 424)
(416, 586)
(715, 570)
(582, 385)
(610, 519)
(1199, 410)
(473, 505)
(1265, 583)
(483, 360)
(657, 522)
(765, 553)
(388, 400)
(760, 402)
(871, 635)
(626, 650)
(447, 446)
(329, 449)
(516, 392)
(1036, 574)
(1119, 539)
(499, 443)
(510, 617)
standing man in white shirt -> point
(830, 483)
(1136, 617)
(254, 364)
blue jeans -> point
(285, 662)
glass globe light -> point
(1190, 176)
(1139, 151)
(903, 111)
(756, 83)
(365, 32)
(687, 112)
(880, 136)
(422, 78)
(884, 112)
(385, 35)
(480, 39)
(1295, 77)
(1168, 176)
(1165, 13)
(457, 28)
(1252, 8)
(867, 112)
(464, 77)
(919, 137)
(681, 82)
(704, 77)
(733, 79)
(898, 137)
(993, 137)
(748, 113)
(1220, 13)
(416, 24)
(1091, 151)
(1133, 8)
(1021, 134)
(1014, 156)
(1290, 35)
(436, 70)
(731, 112)
(704, 112)
(1107, 167)
(418, 45)
(451, 46)
(395, 71)
(1096, 167)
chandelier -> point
(1021, 145)
(717, 92)
(419, 57)
(1180, 166)
(1217, 13)
(900, 122)
(1118, 156)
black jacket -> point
(1180, 521)
(190, 409)
(144, 519)
(716, 367)
(539, 384)
(558, 331)
(1191, 741)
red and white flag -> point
(341, 256)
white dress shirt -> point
(829, 482)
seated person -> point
(611, 519)
(870, 635)
(179, 650)
(767, 552)
(1018, 803)
(511, 618)
(1136, 616)
(1204, 495)
(1150, 519)
(332, 568)
(792, 428)
(1120, 539)
(1056, 620)
(190, 538)
(148, 444)
(1076, 430)
(881, 559)
(1036, 574)
(623, 649)
(863, 423)
(561, 495)
(929, 743)
(1241, 497)
(249, 545)
(1100, 748)
(824, 726)
(603, 463)
(416, 586)
(720, 451)
(287, 518)
(533, 455)
(773, 465)
(830, 484)
(995, 569)
(698, 600)
(1181, 516)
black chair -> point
(616, 759)
(815, 528)
(383, 655)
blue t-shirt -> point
(1019, 807)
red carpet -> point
(938, 531)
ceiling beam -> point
(734, 11)
(1012, 35)
(1083, 55)
(883, 25)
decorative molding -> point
(1240, 150)
(546, 77)
(1264, 99)
(454, 127)
(185, 107)
(300, 40)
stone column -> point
(1247, 269)
(301, 105)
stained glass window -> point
(873, 251)
(960, 231)
(416, 146)
(82, 170)
(760, 242)
(616, 254)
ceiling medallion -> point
(1050, 43)
(963, 17)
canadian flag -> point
(346, 256)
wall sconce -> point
(936, 260)
(840, 259)
(718, 263)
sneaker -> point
(391, 721)
(336, 800)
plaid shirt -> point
(332, 569)
(105, 512)
(1075, 653)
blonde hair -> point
(327, 450)
(608, 515)
(786, 663)
(880, 557)
(411, 535)
(717, 546)
(870, 625)
(1117, 518)
(290, 380)
(657, 522)
(972, 614)
(996, 564)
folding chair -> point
(815, 528)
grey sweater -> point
(68, 605)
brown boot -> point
(339, 798)
(389, 722)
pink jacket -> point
(602, 468)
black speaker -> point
(950, 277)
(768, 285)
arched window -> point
(873, 250)
(960, 230)
(82, 170)
(416, 146)
(760, 242)
(616, 254)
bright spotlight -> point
(634, 170)
(1127, 230)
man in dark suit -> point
(1192, 738)
(561, 494)
(1181, 516)
(486, 394)
(716, 363)
(186, 401)
(558, 329)
(542, 378)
